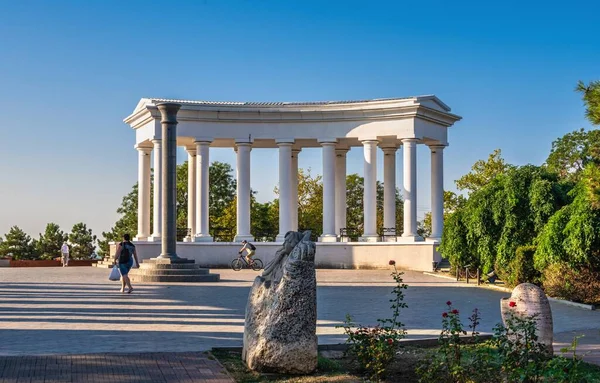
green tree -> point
(572, 152)
(482, 172)
(452, 202)
(127, 222)
(572, 234)
(82, 241)
(49, 244)
(222, 192)
(591, 98)
(264, 218)
(222, 188)
(17, 244)
(310, 202)
(506, 213)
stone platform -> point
(330, 255)
(171, 270)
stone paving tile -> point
(46, 311)
(192, 367)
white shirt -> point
(64, 249)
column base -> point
(140, 239)
(241, 237)
(368, 238)
(188, 239)
(328, 238)
(154, 238)
(280, 238)
(203, 238)
(410, 239)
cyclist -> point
(250, 249)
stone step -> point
(102, 266)
(182, 272)
(159, 261)
(167, 266)
(175, 278)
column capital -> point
(168, 112)
(409, 140)
(369, 141)
(328, 140)
(296, 151)
(341, 152)
(283, 143)
(389, 149)
(144, 148)
(327, 144)
(156, 141)
(191, 150)
(203, 141)
(243, 144)
(435, 147)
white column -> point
(202, 233)
(437, 192)
(389, 188)
(340, 189)
(143, 193)
(410, 190)
(191, 195)
(328, 192)
(370, 192)
(243, 192)
(285, 189)
(157, 193)
(294, 182)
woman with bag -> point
(124, 257)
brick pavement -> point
(191, 367)
(46, 311)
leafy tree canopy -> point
(506, 213)
(82, 241)
(49, 244)
(482, 172)
(591, 98)
(572, 152)
(17, 244)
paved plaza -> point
(46, 311)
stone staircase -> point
(168, 270)
(106, 263)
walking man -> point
(65, 254)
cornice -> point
(368, 111)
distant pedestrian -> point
(64, 250)
(124, 257)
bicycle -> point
(238, 263)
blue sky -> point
(71, 71)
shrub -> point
(521, 268)
(454, 361)
(577, 285)
(375, 347)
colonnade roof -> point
(425, 118)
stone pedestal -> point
(171, 270)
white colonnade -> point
(335, 127)
(334, 190)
